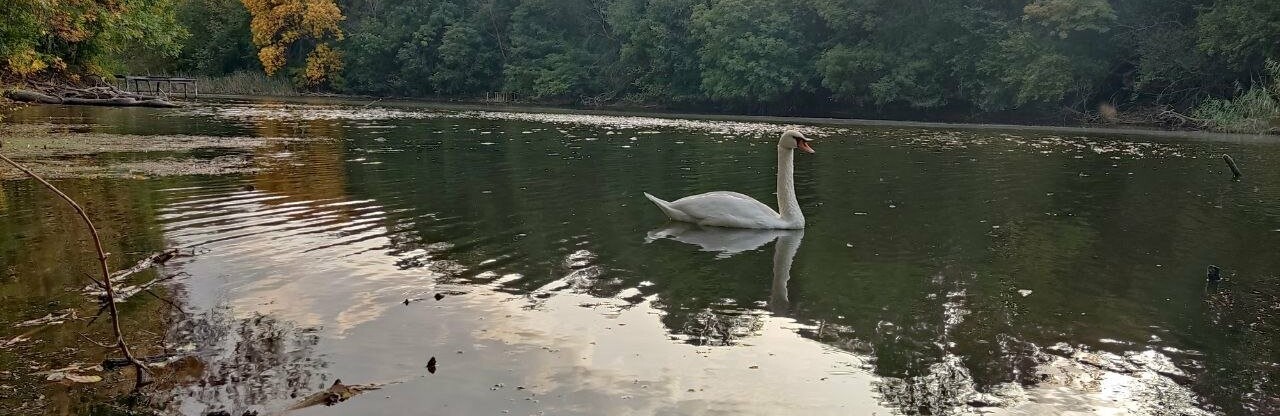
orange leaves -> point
(279, 24)
(272, 58)
(275, 21)
(322, 64)
(321, 19)
(72, 20)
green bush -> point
(1255, 111)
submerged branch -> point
(158, 258)
(139, 367)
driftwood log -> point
(107, 95)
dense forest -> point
(917, 58)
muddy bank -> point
(62, 151)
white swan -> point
(735, 210)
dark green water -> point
(941, 271)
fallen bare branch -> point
(141, 378)
(1179, 120)
(146, 263)
(165, 300)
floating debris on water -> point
(260, 111)
(335, 394)
(50, 319)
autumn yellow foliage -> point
(26, 62)
(321, 63)
(278, 25)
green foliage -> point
(869, 56)
(419, 48)
(560, 50)
(752, 50)
(82, 36)
(466, 63)
(1244, 32)
(1255, 111)
(1057, 53)
(1065, 17)
(658, 53)
(220, 42)
(922, 55)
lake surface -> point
(941, 272)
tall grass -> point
(247, 83)
(1255, 111)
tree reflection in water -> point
(250, 361)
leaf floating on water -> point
(77, 378)
(15, 340)
(50, 319)
(57, 376)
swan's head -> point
(792, 139)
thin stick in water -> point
(139, 367)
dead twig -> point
(154, 259)
(95, 281)
(1179, 120)
(163, 299)
(96, 315)
(139, 367)
(86, 338)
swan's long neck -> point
(788, 207)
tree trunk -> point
(103, 96)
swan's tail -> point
(666, 208)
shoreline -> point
(1148, 132)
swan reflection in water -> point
(726, 242)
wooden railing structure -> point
(158, 85)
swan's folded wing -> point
(726, 209)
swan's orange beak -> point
(803, 144)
